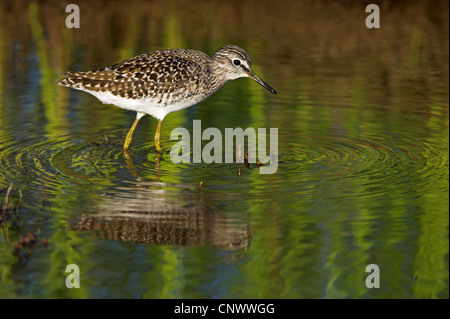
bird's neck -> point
(217, 78)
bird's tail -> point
(69, 79)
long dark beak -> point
(257, 79)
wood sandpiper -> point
(161, 82)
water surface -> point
(363, 172)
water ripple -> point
(368, 165)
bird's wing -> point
(151, 74)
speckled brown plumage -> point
(168, 76)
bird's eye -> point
(236, 62)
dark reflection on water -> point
(146, 216)
(362, 118)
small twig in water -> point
(5, 206)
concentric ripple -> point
(369, 165)
(65, 162)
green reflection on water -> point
(363, 149)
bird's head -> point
(235, 63)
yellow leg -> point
(157, 137)
(130, 132)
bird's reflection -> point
(130, 165)
(150, 214)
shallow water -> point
(363, 171)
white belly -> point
(142, 105)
